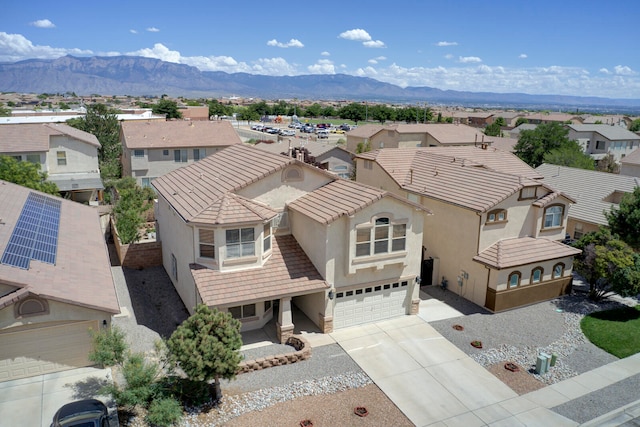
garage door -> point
(45, 349)
(370, 304)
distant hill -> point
(136, 76)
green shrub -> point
(140, 382)
(109, 347)
(164, 412)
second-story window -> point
(138, 153)
(240, 242)
(382, 238)
(499, 215)
(198, 153)
(266, 245)
(207, 247)
(62, 158)
(536, 275)
(553, 216)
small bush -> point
(140, 378)
(109, 347)
(164, 412)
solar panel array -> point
(35, 235)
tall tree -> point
(313, 110)
(102, 122)
(534, 144)
(571, 155)
(206, 346)
(520, 121)
(381, 113)
(493, 129)
(625, 219)
(354, 111)
(26, 174)
(635, 126)
(500, 121)
(167, 107)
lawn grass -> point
(615, 331)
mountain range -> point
(139, 76)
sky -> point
(558, 47)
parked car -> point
(307, 129)
(322, 134)
(345, 127)
(82, 413)
(287, 132)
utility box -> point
(542, 363)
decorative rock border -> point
(303, 352)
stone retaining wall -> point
(303, 352)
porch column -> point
(284, 325)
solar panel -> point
(35, 235)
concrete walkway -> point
(436, 384)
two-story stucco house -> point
(253, 233)
(69, 156)
(414, 135)
(495, 230)
(600, 140)
(153, 148)
(55, 282)
(595, 193)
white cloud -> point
(469, 59)
(623, 70)
(290, 43)
(42, 23)
(522, 56)
(323, 66)
(604, 71)
(158, 51)
(325, 53)
(133, 31)
(153, 30)
(15, 47)
(448, 56)
(374, 44)
(372, 61)
(358, 35)
(442, 44)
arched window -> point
(514, 279)
(558, 270)
(498, 215)
(31, 307)
(553, 216)
(292, 173)
(536, 275)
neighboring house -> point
(198, 113)
(414, 135)
(630, 165)
(515, 132)
(69, 156)
(495, 231)
(330, 157)
(618, 120)
(254, 233)
(600, 140)
(153, 148)
(594, 192)
(539, 118)
(504, 143)
(55, 283)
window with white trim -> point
(33, 158)
(174, 267)
(62, 158)
(198, 153)
(558, 270)
(206, 244)
(498, 215)
(383, 237)
(553, 216)
(240, 242)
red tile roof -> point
(511, 253)
(288, 272)
(82, 273)
(178, 134)
(35, 137)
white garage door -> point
(370, 304)
(45, 349)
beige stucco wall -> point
(501, 277)
(587, 227)
(81, 157)
(630, 169)
(58, 312)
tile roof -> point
(612, 133)
(588, 188)
(509, 253)
(27, 138)
(461, 176)
(193, 189)
(234, 209)
(82, 273)
(315, 148)
(340, 198)
(444, 133)
(288, 272)
(633, 158)
(151, 134)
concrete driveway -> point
(34, 401)
(432, 381)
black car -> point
(83, 413)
